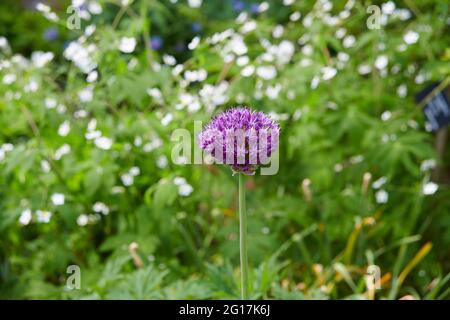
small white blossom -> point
(100, 207)
(402, 91)
(381, 62)
(92, 76)
(248, 71)
(103, 143)
(429, 188)
(25, 217)
(385, 116)
(194, 43)
(40, 58)
(135, 171)
(364, 69)
(9, 78)
(328, 73)
(266, 72)
(58, 199)
(411, 37)
(82, 220)
(378, 183)
(162, 162)
(388, 7)
(349, 41)
(127, 179)
(64, 129)
(127, 44)
(195, 3)
(382, 196)
(86, 94)
(428, 165)
(61, 151)
(169, 60)
(43, 216)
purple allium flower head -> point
(240, 137)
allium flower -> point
(241, 138)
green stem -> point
(243, 238)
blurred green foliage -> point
(344, 97)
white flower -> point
(81, 56)
(92, 76)
(349, 41)
(150, 146)
(295, 16)
(195, 3)
(127, 44)
(364, 69)
(194, 106)
(402, 91)
(238, 45)
(381, 62)
(58, 199)
(277, 31)
(429, 188)
(135, 171)
(273, 91)
(285, 51)
(411, 37)
(427, 165)
(328, 73)
(388, 7)
(32, 86)
(385, 116)
(43, 216)
(382, 196)
(342, 56)
(248, 71)
(50, 103)
(103, 143)
(45, 166)
(263, 6)
(155, 93)
(64, 129)
(194, 43)
(94, 7)
(248, 26)
(242, 61)
(25, 217)
(42, 7)
(40, 59)
(315, 82)
(61, 151)
(82, 220)
(86, 94)
(4, 43)
(127, 179)
(185, 190)
(169, 60)
(378, 183)
(340, 33)
(90, 135)
(179, 181)
(162, 162)
(9, 78)
(266, 72)
(167, 119)
(100, 207)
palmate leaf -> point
(141, 284)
